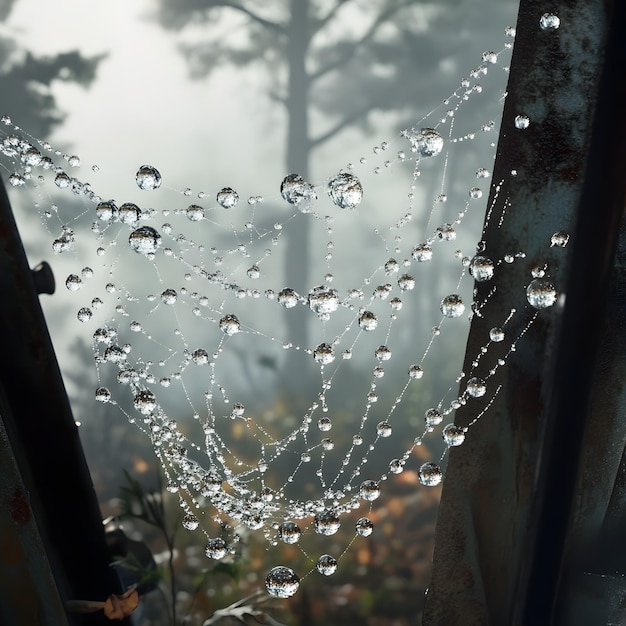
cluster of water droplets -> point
(208, 270)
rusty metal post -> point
(510, 498)
(42, 434)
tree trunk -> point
(297, 368)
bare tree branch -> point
(367, 36)
(275, 26)
(328, 17)
(339, 126)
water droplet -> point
(289, 532)
(254, 272)
(200, 356)
(129, 213)
(288, 298)
(364, 527)
(324, 424)
(490, 57)
(324, 354)
(227, 198)
(415, 371)
(396, 466)
(509, 31)
(452, 305)
(148, 177)
(426, 141)
(194, 213)
(406, 283)
(496, 334)
(15, 180)
(475, 193)
(368, 321)
(328, 444)
(446, 232)
(549, 21)
(383, 429)
(391, 266)
(476, 387)
(433, 417)
(383, 353)
(190, 522)
(345, 190)
(453, 435)
(216, 548)
(559, 239)
(73, 282)
(323, 301)
(522, 121)
(295, 190)
(481, 268)
(84, 314)
(541, 293)
(229, 324)
(326, 523)
(169, 296)
(430, 474)
(145, 402)
(282, 582)
(144, 240)
(422, 252)
(482, 172)
(326, 565)
(103, 394)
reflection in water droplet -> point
(430, 474)
(476, 387)
(453, 435)
(148, 177)
(145, 240)
(452, 305)
(481, 268)
(324, 354)
(559, 239)
(368, 321)
(425, 141)
(496, 334)
(229, 324)
(369, 490)
(282, 582)
(549, 21)
(216, 548)
(345, 190)
(326, 565)
(541, 293)
(364, 527)
(326, 522)
(522, 121)
(294, 189)
(227, 198)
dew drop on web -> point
(452, 305)
(541, 293)
(148, 177)
(345, 190)
(326, 565)
(144, 240)
(282, 582)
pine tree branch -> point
(328, 17)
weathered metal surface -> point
(28, 594)
(509, 490)
(43, 435)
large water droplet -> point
(453, 435)
(522, 121)
(169, 296)
(129, 213)
(481, 268)
(324, 354)
(422, 252)
(216, 548)
(323, 301)
(368, 321)
(345, 190)
(227, 197)
(107, 211)
(145, 402)
(282, 582)
(559, 239)
(326, 565)
(541, 293)
(549, 21)
(426, 141)
(430, 474)
(194, 213)
(364, 527)
(369, 490)
(289, 532)
(294, 189)
(145, 240)
(288, 298)
(452, 305)
(148, 177)
(476, 387)
(190, 522)
(229, 324)
(383, 429)
(326, 523)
